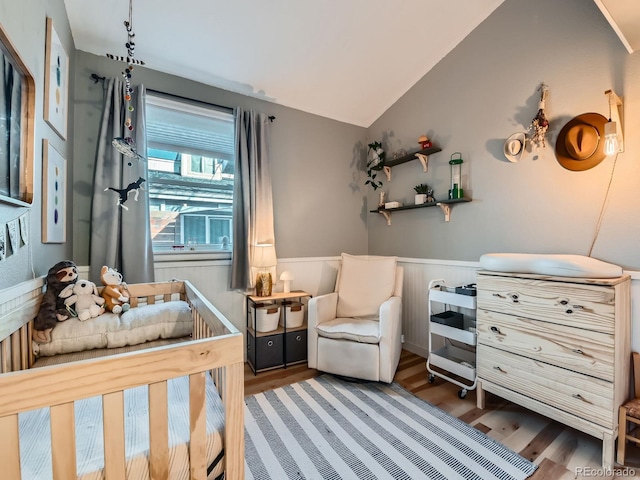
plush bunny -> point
(52, 308)
(84, 295)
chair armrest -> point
(320, 309)
(390, 337)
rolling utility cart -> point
(454, 334)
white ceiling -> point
(348, 60)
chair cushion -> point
(365, 282)
(353, 329)
(576, 266)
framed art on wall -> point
(56, 82)
(54, 186)
(17, 128)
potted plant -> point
(421, 193)
(375, 164)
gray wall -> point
(470, 102)
(316, 163)
(25, 24)
(484, 91)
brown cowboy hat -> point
(580, 143)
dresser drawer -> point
(586, 397)
(584, 351)
(591, 307)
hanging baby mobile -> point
(540, 124)
(126, 144)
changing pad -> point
(577, 266)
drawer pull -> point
(498, 295)
(499, 369)
(578, 351)
(495, 329)
(580, 397)
(270, 343)
(298, 338)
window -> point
(190, 152)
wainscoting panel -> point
(317, 275)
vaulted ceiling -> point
(348, 60)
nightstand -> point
(284, 345)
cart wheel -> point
(432, 377)
(462, 393)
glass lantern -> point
(456, 190)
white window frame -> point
(207, 250)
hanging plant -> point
(540, 124)
(375, 164)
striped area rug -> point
(328, 428)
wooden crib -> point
(216, 348)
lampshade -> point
(264, 255)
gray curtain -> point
(252, 200)
(121, 238)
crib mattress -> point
(35, 434)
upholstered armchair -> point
(356, 330)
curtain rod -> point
(97, 78)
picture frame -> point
(18, 126)
(54, 187)
(56, 82)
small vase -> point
(420, 198)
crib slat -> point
(158, 431)
(5, 359)
(9, 447)
(15, 351)
(63, 442)
(197, 413)
(24, 348)
(113, 429)
(233, 394)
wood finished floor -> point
(556, 449)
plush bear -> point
(52, 308)
(115, 291)
(84, 296)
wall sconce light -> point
(264, 258)
(613, 129)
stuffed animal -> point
(52, 308)
(115, 291)
(84, 296)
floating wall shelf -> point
(445, 206)
(422, 155)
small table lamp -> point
(286, 277)
(264, 257)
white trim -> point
(432, 261)
(20, 289)
(308, 259)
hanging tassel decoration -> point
(126, 144)
(540, 124)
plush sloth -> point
(52, 308)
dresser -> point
(559, 346)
